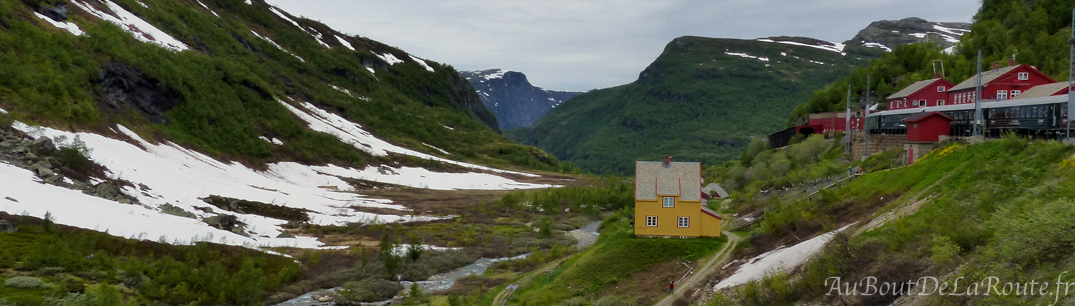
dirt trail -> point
(700, 275)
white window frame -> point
(651, 221)
(1015, 93)
(940, 102)
(940, 88)
(669, 202)
(1002, 94)
(684, 222)
(1023, 76)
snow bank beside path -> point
(781, 259)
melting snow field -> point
(390, 59)
(744, 55)
(140, 29)
(345, 43)
(781, 259)
(422, 62)
(178, 176)
(352, 133)
(70, 27)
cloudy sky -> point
(583, 45)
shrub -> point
(367, 290)
(24, 282)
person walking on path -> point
(671, 287)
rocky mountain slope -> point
(515, 101)
(228, 121)
(886, 35)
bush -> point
(367, 290)
(24, 282)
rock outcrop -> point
(510, 96)
(128, 87)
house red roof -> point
(922, 116)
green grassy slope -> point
(695, 102)
(229, 80)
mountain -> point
(886, 35)
(702, 100)
(134, 117)
(515, 101)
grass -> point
(991, 209)
(617, 264)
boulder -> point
(285, 234)
(44, 146)
(176, 211)
(107, 190)
(7, 227)
(57, 12)
(224, 222)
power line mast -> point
(847, 125)
(1071, 75)
(866, 130)
(978, 98)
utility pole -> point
(1071, 75)
(847, 124)
(978, 99)
(866, 129)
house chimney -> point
(667, 160)
(996, 65)
(936, 75)
(1011, 62)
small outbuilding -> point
(927, 126)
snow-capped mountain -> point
(515, 101)
(885, 35)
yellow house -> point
(668, 201)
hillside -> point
(515, 102)
(885, 35)
(702, 100)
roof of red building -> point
(922, 116)
(910, 90)
(1043, 91)
(987, 76)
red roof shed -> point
(928, 126)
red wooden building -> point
(1000, 83)
(927, 126)
(932, 92)
(833, 122)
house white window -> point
(940, 88)
(684, 222)
(669, 202)
(1016, 93)
(922, 103)
(1023, 76)
(651, 221)
(940, 102)
(1002, 95)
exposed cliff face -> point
(885, 35)
(510, 96)
(471, 102)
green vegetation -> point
(59, 265)
(1036, 32)
(1000, 208)
(694, 102)
(619, 264)
(228, 84)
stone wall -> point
(878, 143)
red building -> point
(932, 92)
(1001, 83)
(927, 126)
(1054, 89)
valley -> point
(230, 152)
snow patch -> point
(281, 14)
(2, 111)
(371, 70)
(780, 259)
(436, 148)
(495, 75)
(140, 29)
(353, 133)
(744, 55)
(248, 2)
(950, 50)
(345, 43)
(919, 35)
(277, 46)
(817, 62)
(877, 45)
(422, 63)
(318, 37)
(348, 92)
(448, 127)
(390, 59)
(70, 27)
(952, 31)
(207, 8)
(273, 141)
(143, 4)
(833, 46)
